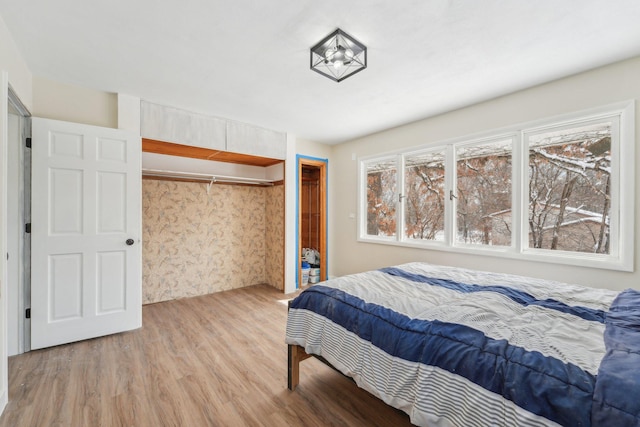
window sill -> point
(534, 255)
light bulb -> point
(337, 64)
(348, 54)
(328, 54)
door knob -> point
(129, 242)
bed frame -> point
(296, 354)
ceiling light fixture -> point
(338, 56)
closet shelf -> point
(210, 178)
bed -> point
(458, 347)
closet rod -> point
(211, 178)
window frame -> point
(621, 256)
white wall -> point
(59, 101)
(602, 86)
(305, 147)
(12, 62)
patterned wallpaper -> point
(196, 243)
(274, 236)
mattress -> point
(458, 347)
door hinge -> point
(27, 313)
(27, 227)
(28, 142)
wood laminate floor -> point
(215, 360)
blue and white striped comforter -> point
(456, 347)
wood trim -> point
(299, 224)
(169, 148)
(323, 222)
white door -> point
(86, 249)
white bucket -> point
(305, 276)
(314, 279)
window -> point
(381, 197)
(424, 200)
(484, 181)
(549, 190)
(570, 188)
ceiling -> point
(248, 60)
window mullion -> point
(401, 197)
(450, 202)
(520, 193)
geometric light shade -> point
(338, 56)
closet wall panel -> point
(274, 236)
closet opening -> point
(312, 221)
(211, 221)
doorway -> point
(311, 227)
(18, 215)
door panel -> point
(86, 278)
(111, 282)
(65, 286)
(112, 209)
(65, 207)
